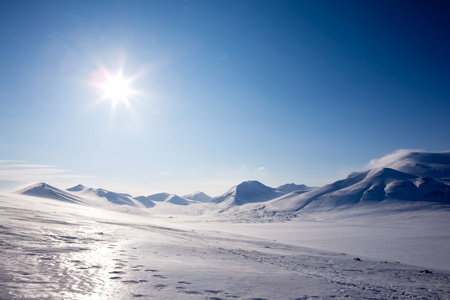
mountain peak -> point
(292, 187)
(419, 163)
(199, 197)
(77, 188)
(247, 192)
(44, 190)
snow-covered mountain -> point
(292, 187)
(246, 192)
(145, 201)
(372, 186)
(44, 190)
(198, 196)
(412, 177)
(159, 197)
(424, 164)
(174, 199)
(112, 197)
(166, 197)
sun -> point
(116, 87)
(113, 86)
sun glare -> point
(116, 87)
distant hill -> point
(199, 197)
(145, 201)
(403, 177)
(244, 193)
(371, 186)
(292, 187)
(44, 190)
(112, 197)
(415, 177)
(166, 197)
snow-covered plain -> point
(52, 249)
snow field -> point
(60, 250)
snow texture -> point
(54, 249)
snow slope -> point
(145, 201)
(420, 163)
(79, 252)
(159, 197)
(367, 187)
(174, 199)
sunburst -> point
(113, 86)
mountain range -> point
(404, 176)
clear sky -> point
(223, 91)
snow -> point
(47, 191)
(377, 234)
(159, 197)
(292, 187)
(198, 196)
(374, 185)
(177, 200)
(111, 197)
(246, 192)
(145, 201)
(419, 163)
(54, 249)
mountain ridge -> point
(373, 186)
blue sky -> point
(276, 91)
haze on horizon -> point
(179, 96)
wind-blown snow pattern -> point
(45, 190)
(424, 164)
